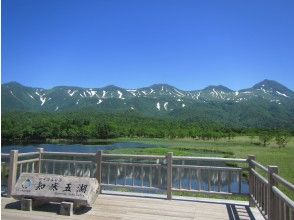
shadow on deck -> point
(138, 206)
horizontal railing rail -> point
(217, 159)
(265, 194)
(260, 166)
(165, 173)
(284, 182)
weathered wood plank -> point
(128, 207)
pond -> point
(79, 148)
(120, 176)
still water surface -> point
(140, 177)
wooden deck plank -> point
(116, 207)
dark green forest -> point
(25, 126)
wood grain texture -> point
(131, 207)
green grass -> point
(238, 147)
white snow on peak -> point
(151, 91)
(104, 93)
(236, 93)
(99, 101)
(214, 92)
(179, 100)
(197, 96)
(77, 102)
(91, 92)
(263, 90)
(13, 94)
(144, 92)
(161, 88)
(56, 108)
(282, 94)
(120, 94)
(246, 92)
(71, 92)
(43, 100)
(132, 91)
(81, 95)
(85, 94)
(165, 106)
(183, 105)
(158, 106)
(179, 92)
(132, 108)
(31, 96)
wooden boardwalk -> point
(133, 206)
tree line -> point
(19, 126)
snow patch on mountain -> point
(71, 92)
(183, 105)
(197, 96)
(214, 92)
(158, 106)
(132, 91)
(104, 93)
(31, 96)
(165, 105)
(56, 108)
(92, 92)
(282, 94)
(120, 94)
(181, 94)
(262, 89)
(43, 100)
(236, 93)
(100, 101)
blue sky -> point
(188, 44)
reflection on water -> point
(150, 177)
(79, 148)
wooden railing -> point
(264, 193)
(167, 174)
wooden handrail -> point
(209, 167)
(264, 192)
(216, 159)
(264, 180)
(255, 163)
(289, 185)
(28, 154)
(282, 196)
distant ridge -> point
(267, 102)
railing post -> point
(251, 183)
(99, 168)
(271, 183)
(12, 171)
(39, 164)
(169, 180)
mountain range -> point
(267, 103)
